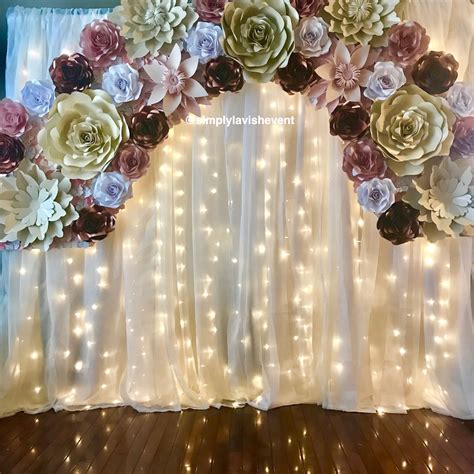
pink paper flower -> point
(174, 82)
(210, 10)
(13, 118)
(101, 43)
(345, 73)
(407, 42)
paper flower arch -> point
(408, 126)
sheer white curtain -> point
(243, 271)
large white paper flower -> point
(34, 208)
(444, 195)
(150, 26)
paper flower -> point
(94, 224)
(349, 121)
(363, 161)
(307, 8)
(38, 97)
(101, 43)
(461, 99)
(444, 195)
(210, 10)
(386, 79)
(71, 73)
(35, 208)
(463, 144)
(312, 38)
(13, 118)
(345, 73)
(111, 189)
(376, 195)
(204, 41)
(122, 83)
(12, 152)
(223, 74)
(149, 127)
(131, 161)
(399, 224)
(297, 75)
(152, 26)
(407, 42)
(259, 35)
(174, 80)
(410, 127)
(435, 72)
(362, 21)
(83, 133)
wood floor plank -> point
(205, 457)
(264, 445)
(221, 445)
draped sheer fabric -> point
(243, 271)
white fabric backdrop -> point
(243, 271)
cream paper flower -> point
(444, 195)
(34, 208)
(83, 132)
(152, 26)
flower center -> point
(174, 81)
(375, 195)
(122, 84)
(347, 76)
(359, 10)
(155, 17)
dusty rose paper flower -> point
(131, 161)
(101, 43)
(13, 118)
(12, 151)
(223, 74)
(94, 224)
(435, 72)
(308, 7)
(363, 161)
(349, 121)
(407, 42)
(399, 224)
(297, 75)
(149, 127)
(210, 10)
(463, 144)
(71, 73)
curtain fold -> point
(242, 271)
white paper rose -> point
(376, 195)
(35, 208)
(312, 38)
(444, 195)
(386, 79)
(204, 41)
(111, 189)
(461, 99)
(122, 83)
(83, 133)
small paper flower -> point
(38, 97)
(131, 161)
(376, 195)
(461, 99)
(13, 118)
(71, 73)
(111, 189)
(386, 79)
(94, 224)
(210, 10)
(349, 121)
(435, 72)
(204, 41)
(122, 83)
(407, 42)
(173, 80)
(297, 75)
(308, 8)
(463, 144)
(223, 74)
(312, 38)
(149, 127)
(399, 224)
(12, 152)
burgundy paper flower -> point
(94, 224)
(149, 127)
(101, 43)
(308, 7)
(223, 74)
(71, 73)
(363, 161)
(13, 118)
(12, 151)
(399, 224)
(131, 161)
(297, 75)
(435, 72)
(349, 121)
(407, 42)
(210, 10)
(463, 144)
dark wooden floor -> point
(299, 438)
